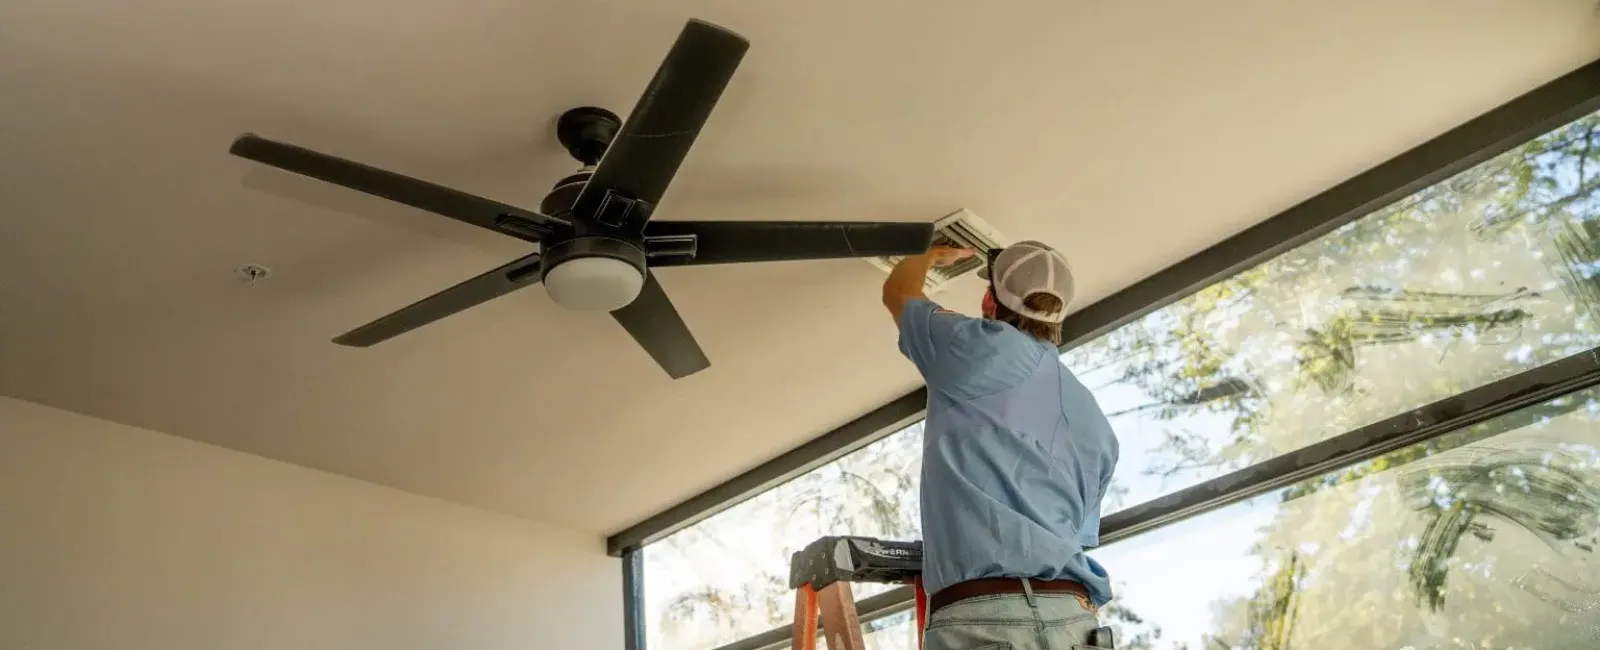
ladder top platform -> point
(855, 559)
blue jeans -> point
(1012, 622)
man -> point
(1016, 457)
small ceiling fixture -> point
(252, 273)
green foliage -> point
(1216, 351)
(1276, 608)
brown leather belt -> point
(996, 586)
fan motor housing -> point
(584, 237)
(558, 202)
(591, 245)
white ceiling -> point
(1129, 134)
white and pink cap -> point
(1026, 268)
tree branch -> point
(1583, 156)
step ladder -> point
(821, 574)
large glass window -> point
(1482, 276)
(726, 578)
(1471, 280)
(1482, 538)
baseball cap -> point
(1026, 268)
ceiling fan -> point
(598, 245)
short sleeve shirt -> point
(1017, 455)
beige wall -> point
(117, 537)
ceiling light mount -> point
(252, 273)
(586, 131)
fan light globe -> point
(593, 284)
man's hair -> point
(1041, 330)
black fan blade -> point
(476, 210)
(652, 321)
(521, 273)
(730, 242)
(646, 153)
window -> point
(1487, 274)
(893, 632)
(1482, 538)
(1474, 279)
(726, 578)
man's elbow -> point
(895, 299)
(894, 304)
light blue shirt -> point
(1016, 455)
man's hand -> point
(947, 255)
(905, 281)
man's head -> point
(1030, 285)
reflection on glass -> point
(1476, 278)
(726, 578)
(1483, 538)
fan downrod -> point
(586, 131)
